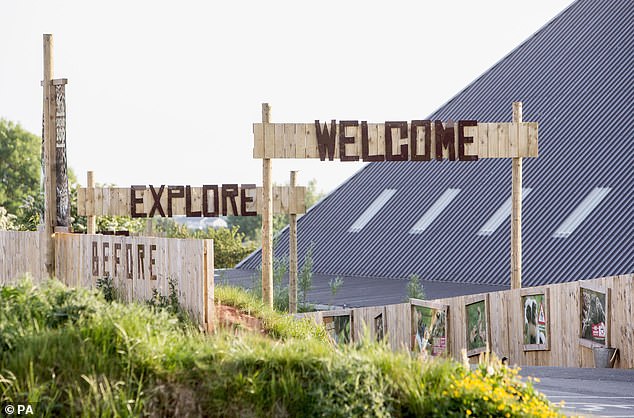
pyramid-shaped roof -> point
(448, 221)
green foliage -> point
(305, 276)
(170, 302)
(19, 165)
(280, 289)
(71, 353)
(335, 284)
(120, 223)
(7, 220)
(106, 286)
(229, 244)
(415, 288)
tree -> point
(20, 166)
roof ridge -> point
(507, 56)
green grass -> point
(77, 355)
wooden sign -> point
(139, 266)
(478, 331)
(536, 317)
(429, 333)
(167, 201)
(594, 321)
(338, 324)
(417, 140)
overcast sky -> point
(166, 92)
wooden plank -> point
(300, 141)
(269, 140)
(312, 150)
(514, 140)
(532, 139)
(279, 140)
(258, 145)
(483, 140)
(289, 140)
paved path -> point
(587, 392)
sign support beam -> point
(267, 220)
(516, 211)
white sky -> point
(166, 92)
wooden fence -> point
(137, 265)
(21, 253)
(506, 323)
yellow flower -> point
(500, 407)
(469, 412)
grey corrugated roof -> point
(574, 77)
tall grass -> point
(77, 355)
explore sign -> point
(167, 201)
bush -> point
(71, 353)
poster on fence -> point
(379, 327)
(594, 316)
(429, 328)
(477, 324)
(338, 326)
(536, 314)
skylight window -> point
(501, 215)
(434, 211)
(372, 210)
(581, 212)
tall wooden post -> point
(516, 211)
(90, 197)
(49, 155)
(292, 271)
(267, 220)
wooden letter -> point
(326, 140)
(117, 258)
(141, 259)
(343, 140)
(365, 145)
(172, 193)
(105, 256)
(445, 139)
(229, 191)
(244, 199)
(95, 259)
(414, 140)
(462, 139)
(129, 264)
(134, 200)
(402, 126)
(157, 201)
(216, 202)
(152, 261)
(188, 204)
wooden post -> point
(48, 148)
(516, 211)
(292, 274)
(267, 220)
(91, 223)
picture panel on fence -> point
(338, 324)
(430, 326)
(594, 309)
(536, 317)
(477, 324)
(141, 268)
